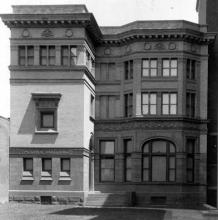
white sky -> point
(106, 12)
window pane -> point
(43, 61)
(30, 51)
(166, 63)
(65, 164)
(65, 51)
(43, 51)
(145, 109)
(22, 61)
(22, 51)
(145, 162)
(145, 72)
(73, 61)
(52, 61)
(172, 163)
(172, 175)
(173, 98)
(165, 98)
(107, 175)
(153, 72)
(145, 175)
(166, 72)
(51, 51)
(153, 63)
(107, 163)
(30, 61)
(47, 120)
(173, 72)
(174, 63)
(145, 64)
(172, 148)
(189, 175)
(46, 165)
(153, 98)
(107, 147)
(153, 109)
(73, 51)
(145, 98)
(165, 109)
(65, 61)
(159, 147)
(146, 148)
(28, 164)
(158, 168)
(173, 109)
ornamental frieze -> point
(51, 152)
(47, 33)
(150, 125)
(25, 33)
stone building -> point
(208, 16)
(4, 159)
(107, 115)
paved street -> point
(15, 211)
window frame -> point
(169, 104)
(126, 156)
(170, 68)
(149, 103)
(47, 56)
(128, 105)
(105, 157)
(128, 69)
(70, 56)
(150, 68)
(191, 66)
(26, 57)
(191, 104)
(150, 155)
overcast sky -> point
(106, 12)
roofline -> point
(8, 119)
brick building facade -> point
(108, 110)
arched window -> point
(159, 161)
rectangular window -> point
(190, 104)
(191, 69)
(190, 159)
(46, 165)
(149, 103)
(107, 149)
(128, 103)
(169, 103)
(128, 162)
(169, 67)
(68, 55)
(92, 106)
(128, 69)
(28, 164)
(26, 55)
(47, 119)
(149, 67)
(65, 165)
(47, 55)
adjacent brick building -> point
(118, 110)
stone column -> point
(136, 167)
(14, 55)
(58, 55)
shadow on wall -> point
(116, 213)
(28, 127)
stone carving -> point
(172, 46)
(147, 46)
(47, 33)
(107, 51)
(159, 46)
(25, 33)
(68, 33)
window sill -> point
(46, 132)
(64, 178)
(27, 178)
(46, 178)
